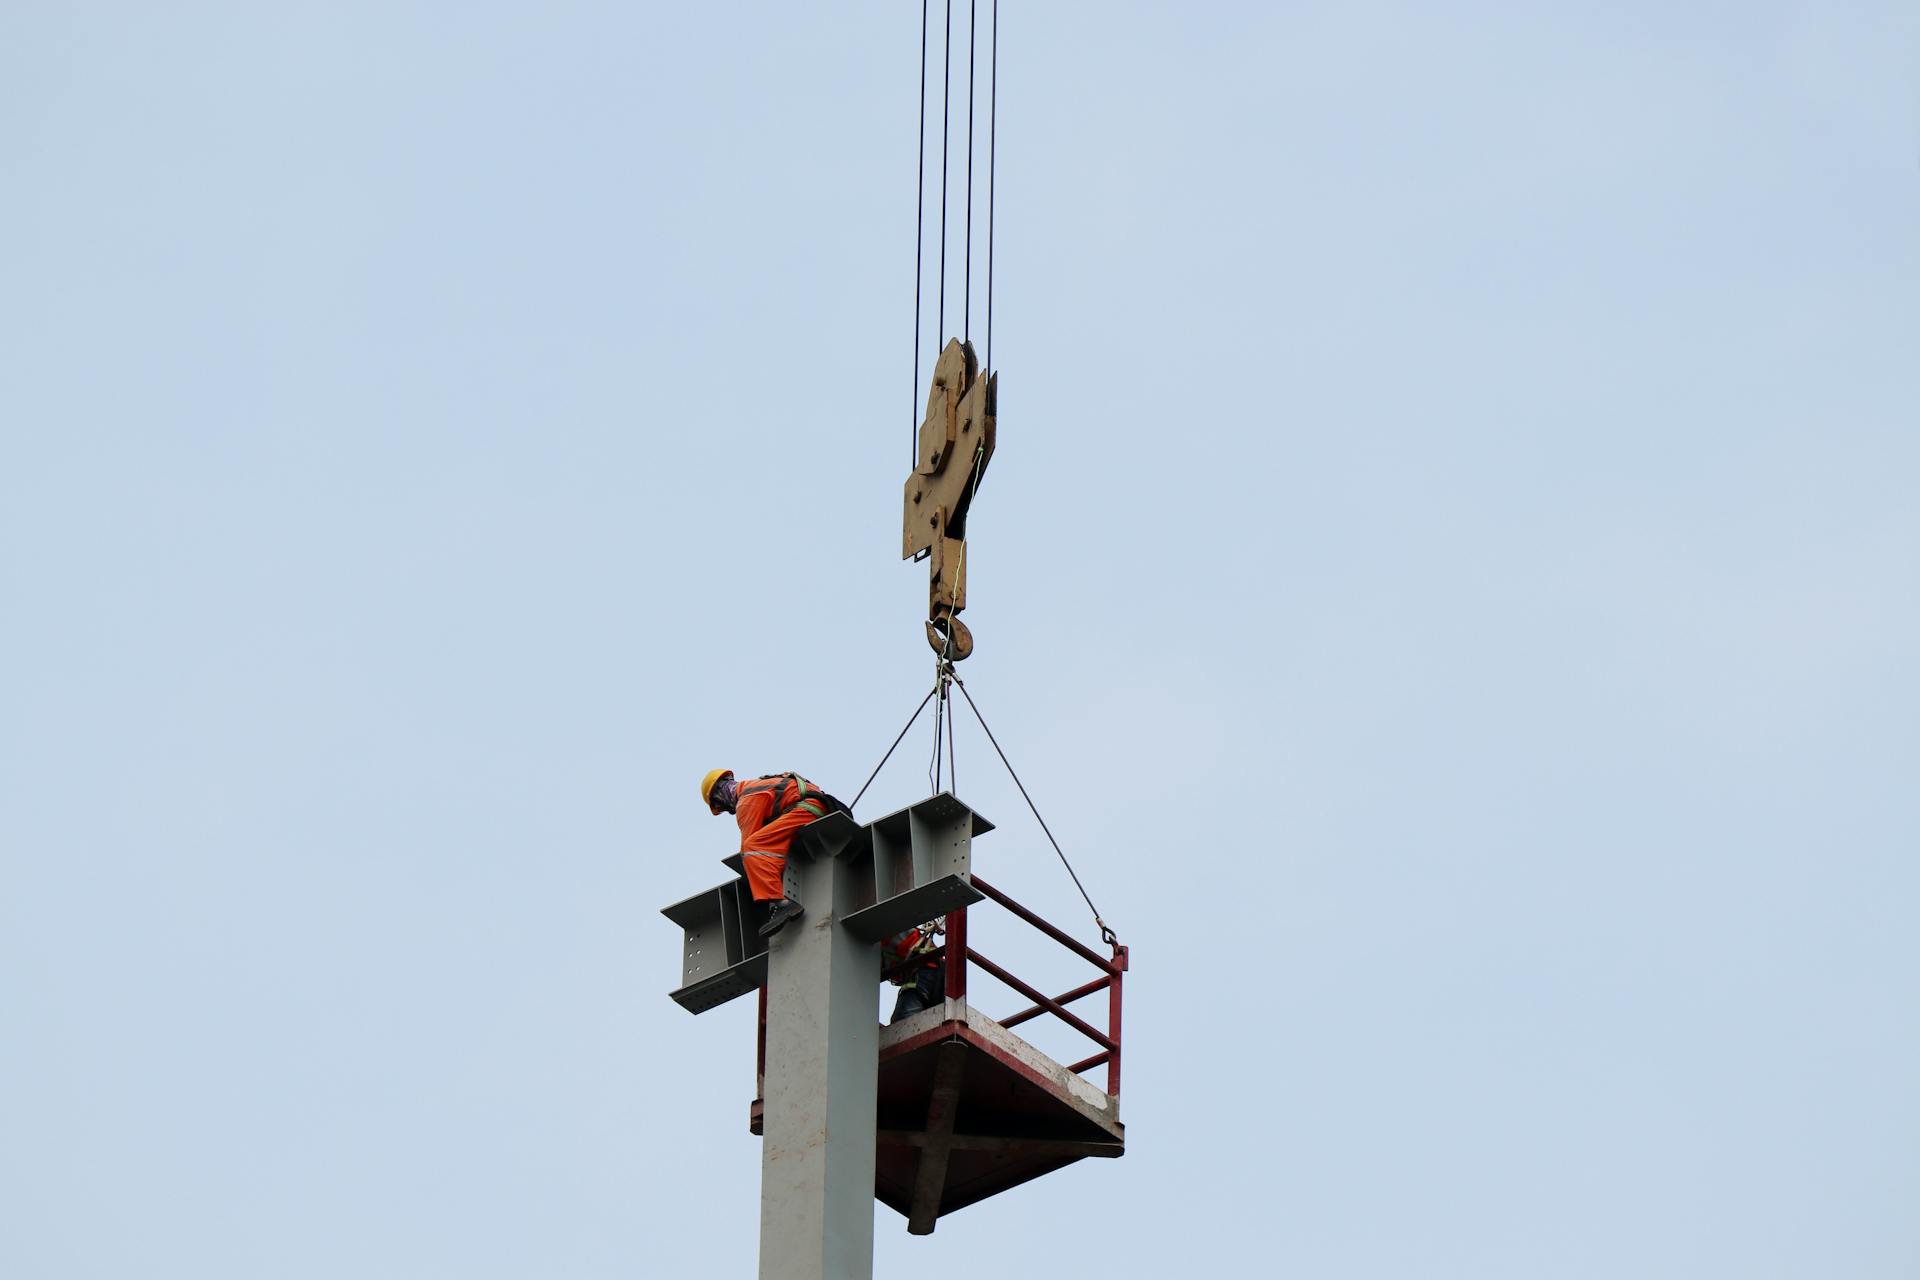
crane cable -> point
(1106, 934)
(966, 305)
(947, 675)
(946, 135)
(993, 120)
(919, 233)
(920, 192)
(890, 750)
(944, 673)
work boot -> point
(783, 911)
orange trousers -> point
(766, 862)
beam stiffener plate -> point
(723, 955)
(901, 870)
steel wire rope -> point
(993, 119)
(1107, 935)
(943, 714)
(933, 765)
(895, 747)
(953, 762)
(944, 672)
(919, 239)
(946, 136)
(966, 271)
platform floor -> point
(968, 1109)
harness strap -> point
(776, 786)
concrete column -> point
(823, 1048)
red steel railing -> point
(1113, 971)
(959, 954)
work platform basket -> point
(966, 1107)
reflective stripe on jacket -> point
(760, 803)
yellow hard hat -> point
(707, 784)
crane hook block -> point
(950, 638)
(955, 445)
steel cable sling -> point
(944, 673)
(948, 675)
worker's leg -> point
(766, 854)
(932, 985)
(928, 988)
(766, 875)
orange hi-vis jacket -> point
(771, 811)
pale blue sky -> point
(1451, 576)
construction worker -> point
(915, 961)
(771, 811)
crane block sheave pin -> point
(956, 443)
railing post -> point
(956, 975)
(1113, 1019)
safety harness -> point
(911, 950)
(807, 798)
